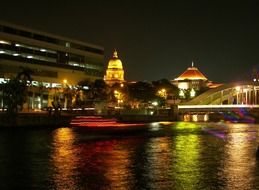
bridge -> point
(226, 98)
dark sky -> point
(155, 39)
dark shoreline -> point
(34, 120)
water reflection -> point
(158, 164)
(239, 160)
(187, 155)
(166, 156)
(108, 164)
(64, 159)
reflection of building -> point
(192, 78)
(114, 72)
(53, 60)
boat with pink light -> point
(98, 121)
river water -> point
(175, 155)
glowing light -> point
(162, 93)
(43, 50)
(238, 88)
(1, 51)
(17, 45)
(115, 70)
(4, 42)
(195, 117)
(181, 93)
(154, 103)
(206, 117)
(192, 93)
(15, 54)
(92, 121)
(65, 81)
(29, 56)
(183, 85)
(216, 106)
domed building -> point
(114, 72)
(192, 78)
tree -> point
(171, 90)
(95, 91)
(15, 91)
(142, 92)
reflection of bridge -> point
(224, 98)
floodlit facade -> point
(54, 61)
(114, 72)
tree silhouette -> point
(15, 91)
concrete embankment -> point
(34, 120)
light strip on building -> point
(216, 106)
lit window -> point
(67, 44)
(4, 42)
(43, 50)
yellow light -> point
(195, 117)
(65, 81)
(183, 85)
(181, 93)
(192, 93)
(122, 85)
(238, 88)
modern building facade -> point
(114, 72)
(54, 61)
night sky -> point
(155, 39)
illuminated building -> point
(54, 61)
(114, 72)
(192, 78)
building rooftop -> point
(192, 73)
(115, 62)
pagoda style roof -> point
(192, 73)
